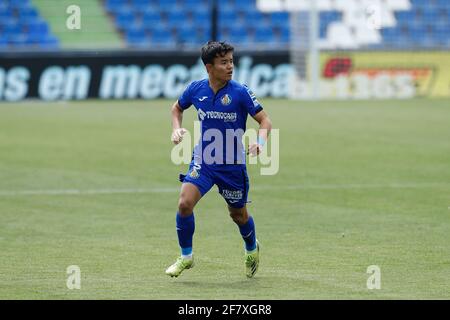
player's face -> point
(222, 69)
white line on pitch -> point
(62, 192)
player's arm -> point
(265, 125)
(177, 119)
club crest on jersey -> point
(194, 174)
(226, 100)
(195, 171)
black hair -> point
(213, 49)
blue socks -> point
(185, 231)
(186, 228)
(247, 231)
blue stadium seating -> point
(426, 25)
(21, 27)
(114, 6)
(185, 34)
(167, 5)
(50, 42)
(142, 5)
(28, 13)
(3, 44)
(124, 19)
(150, 18)
(162, 37)
(201, 18)
(176, 17)
(279, 19)
(136, 36)
(265, 35)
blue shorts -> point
(232, 181)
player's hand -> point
(177, 135)
(254, 149)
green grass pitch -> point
(360, 183)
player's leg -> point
(233, 186)
(245, 224)
(185, 222)
(195, 185)
(247, 230)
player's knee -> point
(239, 217)
(185, 206)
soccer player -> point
(223, 106)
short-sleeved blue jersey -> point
(223, 119)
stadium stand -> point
(175, 24)
(22, 27)
(96, 30)
(170, 23)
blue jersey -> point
(223, 119)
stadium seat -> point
(429, 13)
(239, 39)
(428, 42)
(17, 40)
(114, 5)
(390, 36)
(226, 7)
(187, 33)
(135, 36)
(167, 5)
(141, 5)
(5, 13)
(323, 31)
(50, 42)
(405, 15)
(441, 31)
(37, 26)
(201, 18)
(160, 29)
(418, 31)
(20, 4)
(36, 37)
(203, 34)
(124, 19)
(176, 18)
(227, 18)
(239, 36)
(3, 44)
(8, 21)
(164, 39)
(285, 35)
(151, 17)
(279, 19)
(196, 3)
(253, 18)
(28, 14)
(245, 6)
(12, 28)
(420, 3)
(443, 4)
(264, 36)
